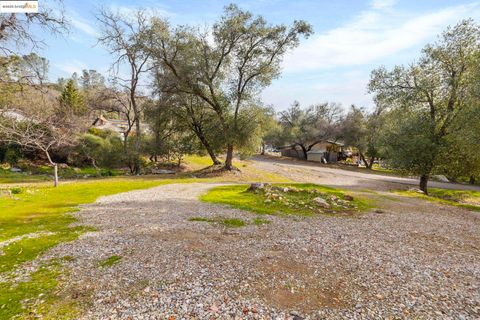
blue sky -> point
(351, 38)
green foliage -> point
(426, 100)
(101, 147)
(307, 127)
(16, 190)
(71, 100)
(228, 81)
(407, 144)
(91, 79)
(12, 155)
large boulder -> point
(257, 186)
(319, 201)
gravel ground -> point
(308, 171)
(414, 260)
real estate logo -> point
(18, 6)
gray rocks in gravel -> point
(416, 262)
(319, 201)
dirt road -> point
(303, 171)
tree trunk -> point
(263, 149)
(362, 157)
(94, 163)
(472, 179)
(304, 150)
(138, 145)
(229, 160)
(55, 168)
(424, 183)
(55, 175)
(203, 140)
(370, 165)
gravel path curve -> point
(315, 172)
(415, 260)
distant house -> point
(329, 151)
(115, 125)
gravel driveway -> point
(307, 171)
(415, 260)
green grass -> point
(234, 223)
(201, 219)
(293, 203)
(227, 222)
(231, 222)
(198, 162)
(110, 261)
(467, 199)
(35, 297)
(44, 173)
(260, 221)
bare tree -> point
(16, 28)
(125, 38)
(36, 129)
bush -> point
(12, 155)
(16, 190)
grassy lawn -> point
(35, 217)
(44, 173)
(461, 198)
(289, 199)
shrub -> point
(16, 190)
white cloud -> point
(348, 87)
(383, 4)
(373, 34)
(71, 67)
(84, 26)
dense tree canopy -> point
(226, 68)
(427, 98)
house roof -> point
(338, 143)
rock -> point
(256, 186)
(440, 178)
(295, 315)
(333, 198)
(379, 211)
(348, 197)
(13, 169)
(162, 171)
(416, 190)
(321, 202)
(285, 190)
